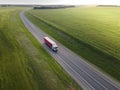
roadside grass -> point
(93, 33)
(24, 64)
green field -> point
(91, 32)
(24, 64)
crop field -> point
(91, 32)
(24, 64)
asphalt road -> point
(83, 73)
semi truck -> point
(51, 44)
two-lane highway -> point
(83, 73)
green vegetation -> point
(24, 64)
(93, 33)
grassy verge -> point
(24, 64)
(93, 54)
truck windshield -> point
(55, 48)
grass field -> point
(24, 64)
(93, 33)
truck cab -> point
(54, 47)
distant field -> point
(24, 64)
(93, 33)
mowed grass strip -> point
(24, 64)
(93, 33)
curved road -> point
(83, 73)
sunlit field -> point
(91, 32)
